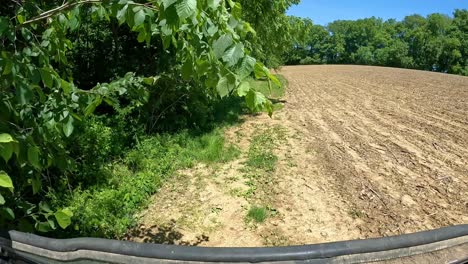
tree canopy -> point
(433, 43)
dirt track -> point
(370, 152)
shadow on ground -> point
(164, 234)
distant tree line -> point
(433, 43)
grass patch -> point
(257, 214)
(275, 92)
(107, 210)
(260, 155)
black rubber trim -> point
(203, 254)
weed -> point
(260, 153)
(257, 214)
(354, 213)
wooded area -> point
(433, 43)
(88, 84)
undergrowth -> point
(107, 210)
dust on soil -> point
(368, 152)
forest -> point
(101, 101)
(433, 43)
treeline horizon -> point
(436, 42)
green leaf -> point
(202, 67)
(43, 227)
(186, 8)
(33, 157)
(122, 14)
(243, 88)
(7, 68)
(63, 218)
(5, 180)
(20, 19)
(213, 4)
(24, 93)
(46, 77)
(3, 24)
(92, 106)
(259, 70)
(221, 44)
(232, 55)
(255, 100)
(187, 69)
(7, 213)
(139, 17)
(68, 126)
(36, 184)
(6, 138)
(66, 86)
(274, 80)
(168, 3)
(6, 151)
(226, 84)
(246, 67)
(237, 10)
(43, 206)
(223, 87)
(141, 35)
(2, 200)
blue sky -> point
(324, 11)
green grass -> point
(257, 214)
(260, 155)
(107, 210)
(275, 92)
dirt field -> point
(363, 152)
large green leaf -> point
(259, 70)
(223, 87)
(213, 4)
(68, 126)
(63, 218)
(168, 3)
(226, 85)
(221, 44)
(6, 138)
(7, 213)
(36, 184)
(6, 151)
(255, 100)
(232, 55)
(243, 88)
(33, 157)
(5, 180)
(139, 17)
(43, 227)
(246, 67)
(46, 77)
(186, 8)
(2, 200)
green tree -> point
(42, 106)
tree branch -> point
(69, 5)
(59, 9)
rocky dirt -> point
(368, 152)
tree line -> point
(433, 43)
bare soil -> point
(368, 152)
